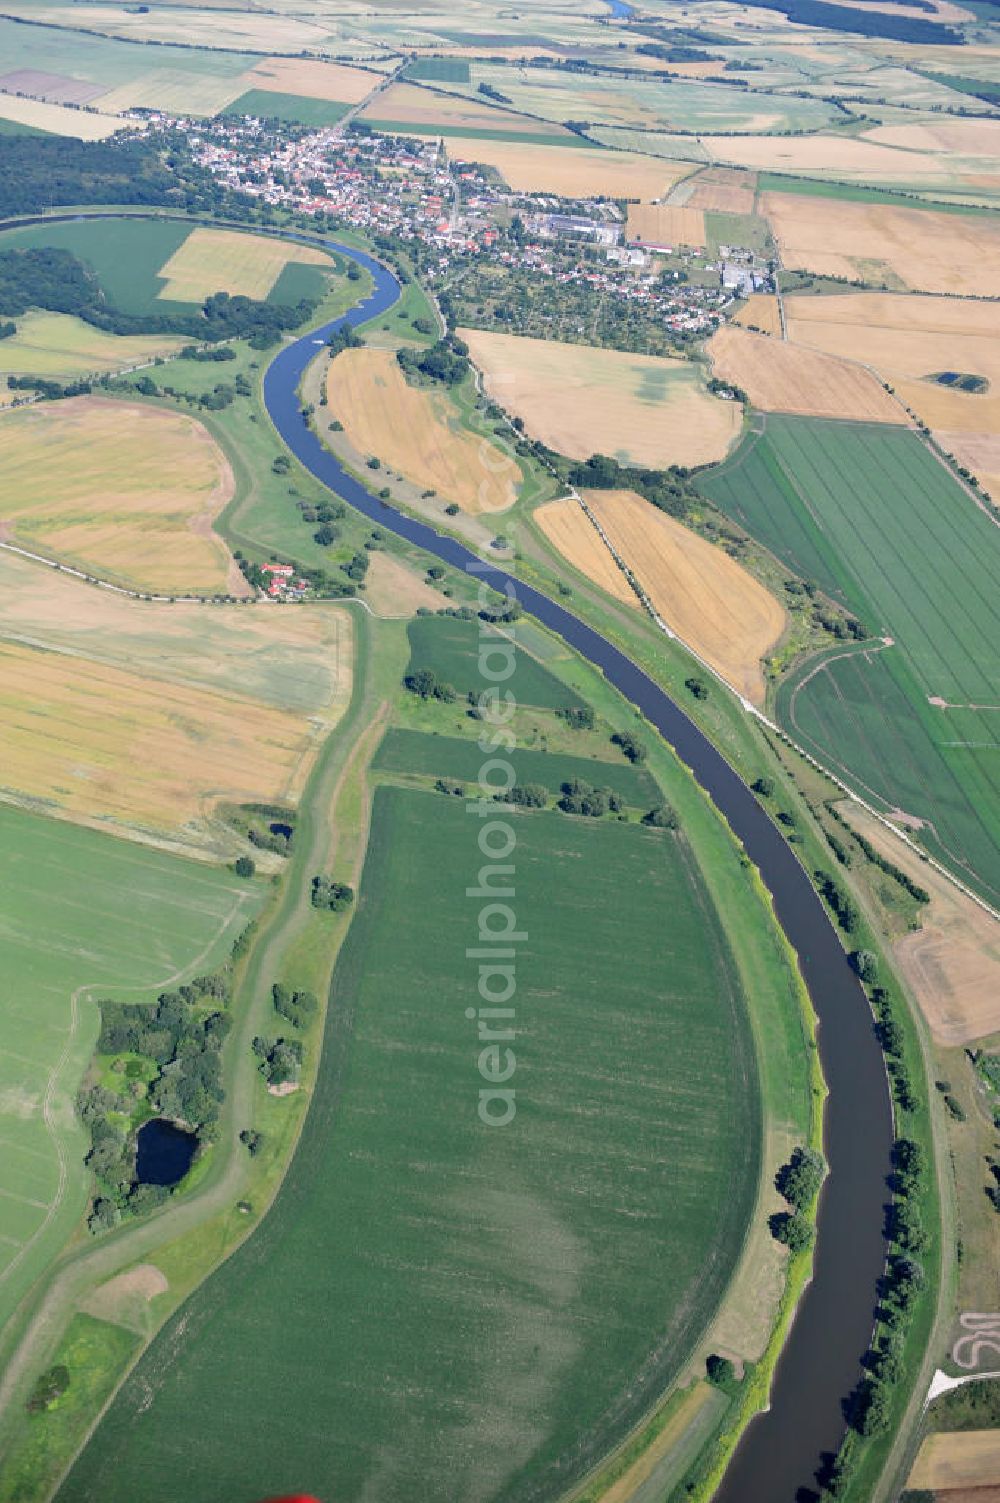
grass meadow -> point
(406, 751)
(83, 913)
(449, 647)
(436, 1308)
(870, 514)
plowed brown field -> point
(781, 377)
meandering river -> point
(782, 1449)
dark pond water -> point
(285, 830)
(163, 1152)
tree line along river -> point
(782, 1449)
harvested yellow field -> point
(963, 138)
(708, 599)
(424, 110)
(978, 452)
(761, 312)
(313, 79)
(665, 226)
(59, 119)
(928, 251)
(952, 962)
(57, 345)
(909, 338)
(570, 172)
(415, 430)
(190, 27)
(123, 491)
(570, 530)
(105, 744)
(228, 261)
(847, 157)
(393, 589)
(779, 377)
(720, 190)
(957, 1459)
(579, 400)
(295, 659)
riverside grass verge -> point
(200, 1230)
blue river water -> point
(778, 1458)
(782, 1450)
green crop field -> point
(450, 648)
(438, 70)
(296, 281)
(126, 255)
(450, 757)
(436, 1308)
(870, 514)
(269, 105)
(81, 912)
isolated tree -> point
(244, 867)
(721, 1371)
(799, 1180)
(662, 817)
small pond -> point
(163, 1152)
(279, 829)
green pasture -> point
(435, 1307)
(81, 913)
(126, 255)
(291, 107)
(406, 751)
(746, 230)
(93, 1352)
(871, 515)
(450, 647)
